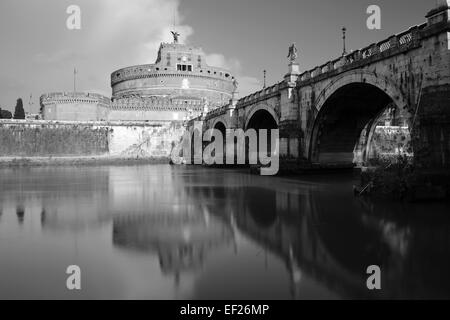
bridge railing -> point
(400, 41)
(259, 95)
(217, 111)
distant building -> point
(178, 85)
(32, 116)
(74, 106)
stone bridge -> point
(323, 113)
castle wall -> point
(155, 140)
(75, 112)
(75, 139)
(44, 138)
(180, 70)
(217, 91)
(148, 115)
(74, 106)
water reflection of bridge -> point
(333, 237)
(317, 230)
(280, 221)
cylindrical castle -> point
(180, 77)
(177, 86)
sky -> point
(38, 52)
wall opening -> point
(262, 119)
(359, 125)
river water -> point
(167, 232)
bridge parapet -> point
(253, 98)
(263, 94)
(394, 45)
(217, 112)
(190, 122)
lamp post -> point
(264, 83)
(74, 80)
(344, 51)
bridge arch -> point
(219, 123)
(379, 81)
(196, 135)
(221, 126)
(261, 118)
(260, 110)
(343, 109)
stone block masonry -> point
(322, 112)
(123, 140)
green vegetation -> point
(391, 178)
(5, 114)
(19, 112)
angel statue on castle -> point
(176, 36)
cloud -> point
(219, 60)
(57, 57)
(132, 30)
(247, 85)
(114, 34)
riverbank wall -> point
(66, 141)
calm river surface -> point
(162, 232)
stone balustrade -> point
(259, 95)
(401, 41)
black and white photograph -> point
(224, 150)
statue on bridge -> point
(293, 53)
(205, 106)
(235, 85)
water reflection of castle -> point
(181, 242)
(319, 235)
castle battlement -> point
(179, 69)
(156, 103)
(74, 97)
(178, 85)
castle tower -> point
(180, 76)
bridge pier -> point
(431, 122)
(432, 129)
(291, 133)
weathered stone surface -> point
(178, 85)
(322, 112)
(126, 140)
